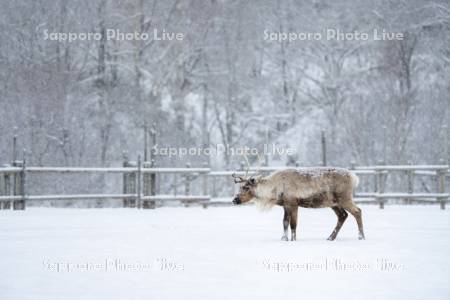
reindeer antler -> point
(238, 179)
(260, 164)
(248, 166)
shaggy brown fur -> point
(310, 188)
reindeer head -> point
(247, 189)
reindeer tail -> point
(355, 180)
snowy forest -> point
(82, 103)
(128, 131)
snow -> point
(109, 170)
(177, 197)
(403, 167)
(317, 172)
(222, 253)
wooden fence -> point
(141, 188)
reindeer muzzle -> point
(236, 200)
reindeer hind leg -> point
(356, 212)
(342, 216)
(286, 220)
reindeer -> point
(310, 188)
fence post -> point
(145, 180)
(139, 182)
(153, 154)
(7, 181)
(205, 184)
(14, 150)
(381, 185)
(234, 186)
(187, 185)
(2, 188)
(145, 142)
(324, 149)
(129, 184)
(18, 179)
(410, 174)
(445, 141)
(375, 183)
(125, 178)
(242, 165)
(214, 186)
(175, 184)
(441, 179)
(12, 187)
(441, 185)
(353, 167)
(149, 187)
(266, 153)
(153, 179)
(23, 178)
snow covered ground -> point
(222, 253)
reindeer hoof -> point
(331, 238)
(284, 238)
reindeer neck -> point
(263, 190)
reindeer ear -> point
(252, 181)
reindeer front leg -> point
(290, 217)
(293, 221)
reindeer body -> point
(310, 188)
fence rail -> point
(140, 184)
